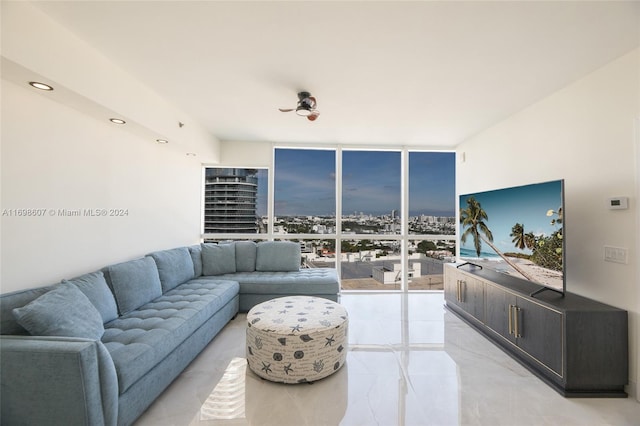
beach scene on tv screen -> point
(517, 231)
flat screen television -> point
(517, 231)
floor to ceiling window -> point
(384, 218)
(431, 224)
(304, 202)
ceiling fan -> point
(306, 106)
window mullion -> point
(404, 218)
(339, 210)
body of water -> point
(466, 253)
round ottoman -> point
(296, 339)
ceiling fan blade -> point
(286, 109)
(313, 102)
(314, 114)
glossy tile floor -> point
(410, 362)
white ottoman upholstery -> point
(296, 339)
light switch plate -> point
(615, 254)
(618, 203)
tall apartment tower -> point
(230, 200)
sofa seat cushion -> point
(312, 281)
(140, 339)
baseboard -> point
(632, 390)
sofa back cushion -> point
(245, 256)
(175, 267)
(94, 286)
(134, 283)
(196, 257)
(63, 311)
(17, 299)
(277, 256)
(218, 259)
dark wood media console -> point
(576, 345)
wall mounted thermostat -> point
(618, 203)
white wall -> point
(55, 157)
(637, 258)
(584, 134)
(246, 154)
(59, 151)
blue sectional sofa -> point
(100, 348)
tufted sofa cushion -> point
(139, 340)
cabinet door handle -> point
(517, 321)
(459, 290)
(510, 319)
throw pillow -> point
(64, 311)
(17, 299)
(134, 283)
(245, 256)
(218, 259)
(278, 256)
(95, 287)
(196, 256)
(174, 267)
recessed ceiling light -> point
(40, 86)
(117, 121)
(191, 154)
(162, 141)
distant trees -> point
(424, 246)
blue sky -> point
(305, 182)
(527, 205)
(432, 183)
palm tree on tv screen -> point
(472, 220)
(519, 237)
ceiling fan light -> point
(303, 111)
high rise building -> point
(230, 200)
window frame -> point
(404, 237)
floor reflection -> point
(227, 401)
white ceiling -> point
(392, 73)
